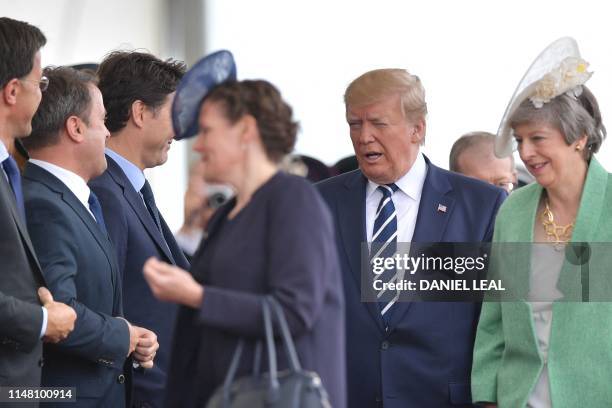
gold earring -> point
(578, 148)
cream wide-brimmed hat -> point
(558, 69)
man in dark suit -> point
(138, 117)
(23, 322)
(67, 229)
(403, 354)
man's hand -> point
(143, 345)
(60, 317)
(146, 348)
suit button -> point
(121, 379)
(385, 345)
(41, 362)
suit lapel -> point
(351, 214)
(135, 201)
(6, 191)
(177, 253)
(588, 217)
(590, 229)
(38, 174)
(435, 208)
(591, 203)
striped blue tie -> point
(384, 243)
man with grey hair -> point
(67, 227)
(403, 354)
(473, 155)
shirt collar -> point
(131, 171)
(410, 183)
(3, 152)
(73, 181)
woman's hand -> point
(170, 283)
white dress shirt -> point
(73, 181)
(3, 153)
(406, 201)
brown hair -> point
(127, 76)
(19, 43)
(263, 101)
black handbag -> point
(292, 388)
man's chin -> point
(162, 160)
(377, 177)
(26, 132)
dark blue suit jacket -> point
(80, 267)
(424, 358)
(136, 238)
(21, 315)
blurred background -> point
(470, 55)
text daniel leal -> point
(454, 285)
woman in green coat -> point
(550, 343)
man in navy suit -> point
(138, 117)
(27, 310)
(68, 232)
(403, 354)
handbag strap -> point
(273, 386)
(294, 361)
(231, 373)
(257, 360)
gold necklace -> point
(558, 234)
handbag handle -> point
(294, 362)
(231, 373)
(273, 386)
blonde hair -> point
(375, 85)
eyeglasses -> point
(43, 83)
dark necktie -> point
(147, 195)
(384, 244)
(96, 210)
(12, 171)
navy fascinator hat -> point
(207, 73)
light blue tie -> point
(384, 243)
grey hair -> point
(573, 116)
(466, 142)
(67, 95)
